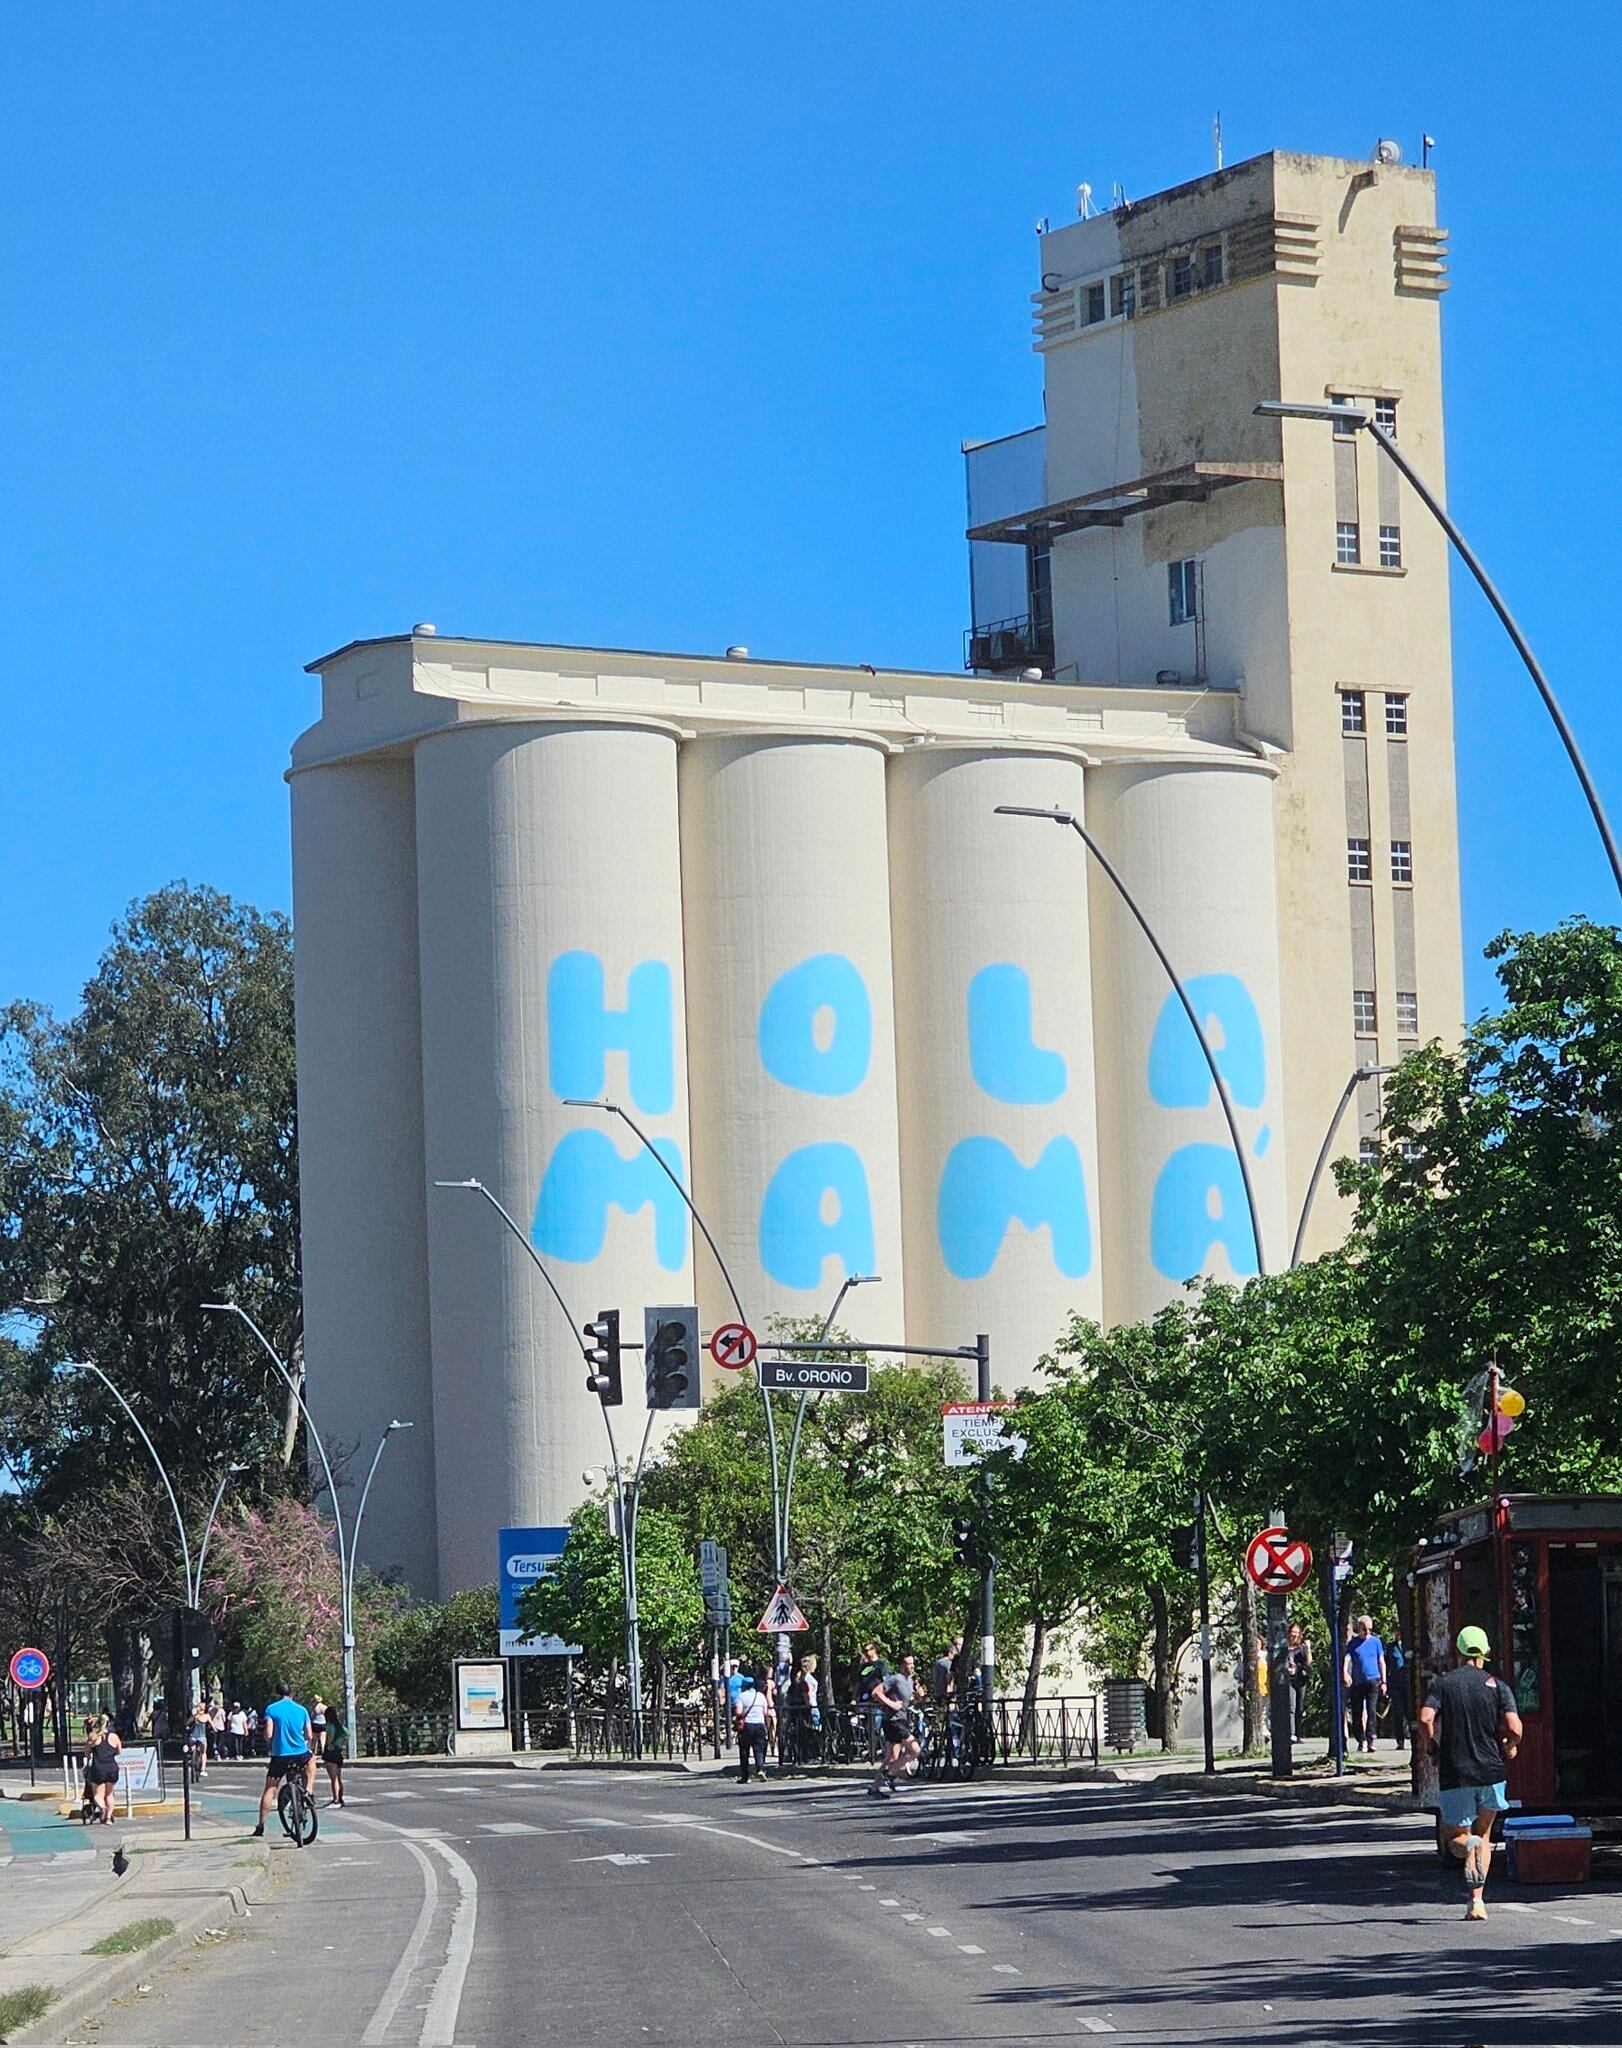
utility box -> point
(1126, 1717)
(1548, 1848)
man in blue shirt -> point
(1365, 1675)
(292, 1749)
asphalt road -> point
(495, 1907)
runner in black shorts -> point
(893, 1695)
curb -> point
(118, 1974)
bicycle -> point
(295, 1809)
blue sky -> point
(661, 327)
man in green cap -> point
(1479, 1731)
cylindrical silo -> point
(994, 1048)
(1194, 843)
(549, 886)
(790, 1021)
(366, 1337)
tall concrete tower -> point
(1156, 532)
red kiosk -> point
(1542, 1574)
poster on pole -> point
(526, 1555)
(481, 1694)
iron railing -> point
(670, 1733)
(405, 1734)
(1063, 1730)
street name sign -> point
(782, 1616)
(1277, 1561)
(30, 1668)
(812, 1376)
(733, 1346)
(974, 1429)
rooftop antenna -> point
(1426, 144)
(1084, 201)
(1216, 137)
(1117, 193)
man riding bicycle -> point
(292, 1751)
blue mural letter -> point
(1184, 1222)
(1178, 1075)
(581, 1030)
(1003, 1054)
(584, 1176)
(795, 1235)
(788, 1045)
(984, 1188)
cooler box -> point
(1548, 1848)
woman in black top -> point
(1298, 1669)
(104, 1772)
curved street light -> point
(1344, 416)
(1357, 1074)
(1057, 817)
(850, 1280)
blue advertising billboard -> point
(524, 1556)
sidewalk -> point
(61, 1896)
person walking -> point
(197, 1734)
(895, 1694)
(1469, 1719)
(333, 1747)
(236, 1731)
(103, 1771)
(1298, 1669)
(752, 1718)
(1400, 1680)
(1365, 1676)
(944, 1676)
(871, 1673)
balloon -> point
(1511, 1403)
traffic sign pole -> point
(1207, 1719)
(988, 1567)
(1278, 1684)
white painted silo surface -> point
(362, 1227)
(1194, 844)
(790, 1024)
(994, 1041)
(551, 943)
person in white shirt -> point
(236, 1728)
(753, 1719)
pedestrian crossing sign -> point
(782, 1616)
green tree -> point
(582, 1599)
(413, 1653)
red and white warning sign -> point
(734, 1346)
(1277, 1561)
(782, 1616)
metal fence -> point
(1063, 1730)
(405, 1734)
(670, 1733)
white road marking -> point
(1513, 1906)
(1005, 1969)
(1571, 1920)
(1098, 2026)
(682, 1820)
(889, 1902)
(396, 1795)
(511, 1827)
(444, 2003)
(622, 1861)
(594, 1823)
(940, 1933)
(378, 2026)
(869, 1887)
(946, 1841)
(912, 1916)
(969, 1949)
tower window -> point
(1396, 717)
(1123, 296)
(1353, 714)
(1182, 276)
(1348, 552)
(1095, 304)
(1183, 591)
(1385, 414)
(1402, 860)
(1344, 429)
(1358, 865)
(1407, 1010)
(1390, 547)
(1363, 1016)
(1211, 265)
(1368, 1151)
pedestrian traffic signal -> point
(1185, 1547)
(670, 1356)
(966, 1543)
(603, 1357)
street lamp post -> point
(1345, 416)
(1357, 1074)
(346, 1549)
(850, 1280)
(193, 1569)
(653, 1152)
(1230, 1118)
(627, 1522)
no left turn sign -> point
(734, 1346)
(1277, 1561)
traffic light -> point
(1185, 1547)
(966, 1543)
(670, 1355)
(603, 1356)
